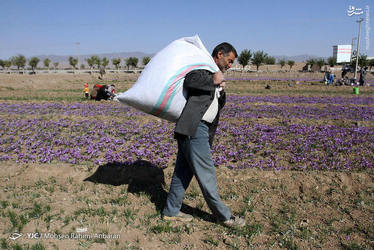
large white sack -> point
(159, 88)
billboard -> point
(342, 53)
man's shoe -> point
(179, 217)
(234, 222)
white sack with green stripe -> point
(159, 88)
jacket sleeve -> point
(199, 80)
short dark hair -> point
(225, 48)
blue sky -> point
(32, 27)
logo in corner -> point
(15, 236)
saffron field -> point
(291, 133)
(295, 160)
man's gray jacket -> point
(200, 94)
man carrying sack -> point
(194, 131)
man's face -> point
(224, 62)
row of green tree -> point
(93, 62)
(260, 57)
(20, 62)
(245, 58)
(363, 61)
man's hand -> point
(219, 79)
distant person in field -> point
(111, 91)
(345, 70)
(363, 72)
(194, 132)
(331, 79)
(86, 90)
(101, 72)
(326, 77)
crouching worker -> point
(111, 91)
(86, 90)
(194, 132)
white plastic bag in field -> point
(159, 88)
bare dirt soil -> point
(283, 209)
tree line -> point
(259, 58)
(246, 57)
(363, 61)
(93, 62)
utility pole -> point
(78, 43)
(353, 39)
(358, 47)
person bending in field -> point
(194, 132)
(86, 90)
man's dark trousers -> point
(195, 158)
